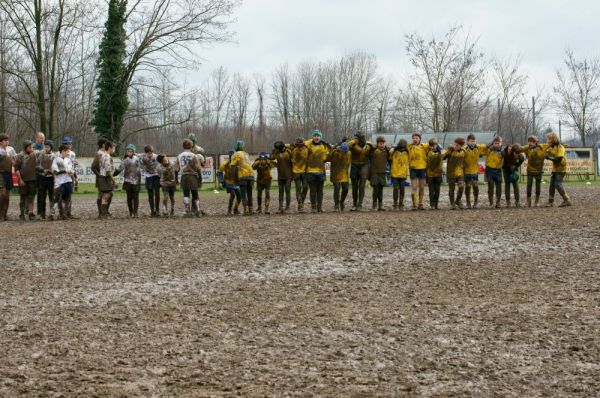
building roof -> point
(444, 139)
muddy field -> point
(450, 303)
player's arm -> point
(18, 166)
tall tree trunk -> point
(52, 95)
(39, 68)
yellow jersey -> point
(340, 162)
(317, 155)
(241, 160)
(299, 159)
(494, 158)
(360, 155)
(472, 156)
(225, 168)
(558, 151)
(399, 167)
(535, 158)
(435, 163)
(455, 165)
(417, 156)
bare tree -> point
(45, 54)
(384, 104)
(239, 102)
(164, 33)
(259, 84)
(280, 88)
(578, 92)
(510, 83)
(450, 75)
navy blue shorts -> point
(494, 175)
(471, 178)
(64, 191)
(418, 173)
(316, 177)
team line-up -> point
(51, 176)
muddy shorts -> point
(418, 173)
(189, 182)
(104, 184)
(168, 190)
(129, 187)
(153, 182)
(299, 176)
(471, 178)
(456, 180)
(64, 191)
(263, 186)
(434, 180)
(359, 171)
(493, 175)
(378, 179)
(29, 189)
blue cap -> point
(130, 147)
(231, 152)
(67, 140)
(344, 147)
(263, 155)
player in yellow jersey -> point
(557, 155)
(473, 152)
(513, 158)
(318, 151)
(455, 172)
(493, 170)
(378, 162)
(228, 182)
(435, 170)
(340, 163)
(399, 172)
(417, 164)
(360, 151)
(243, 175)
(536, 153)
(299, 160)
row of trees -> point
(50, 56)
(54, 55)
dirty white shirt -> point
(61, 168)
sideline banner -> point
(598, 159)
(85, 175)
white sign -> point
(208, 170)
(85, 175)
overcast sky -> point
(272, 32)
